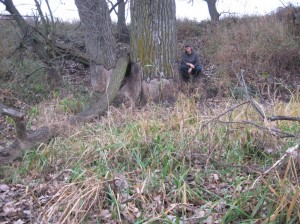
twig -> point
(273, 130)
(220, 115)
(253, 103)
(38, 203)
(278, 162)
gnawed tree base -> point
(25, 141)
(107, 97)
(159, 90)
(130, 93)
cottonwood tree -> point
(107, 72)
(153, 41)
(153, 52)
(123, 32)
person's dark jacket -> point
(190, 58)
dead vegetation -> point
(221, 154)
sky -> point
(67, 11)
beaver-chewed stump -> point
(23, 141)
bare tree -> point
(42, 41)
(123, 32)
(213, 12)
(122, 27)
(212, 9)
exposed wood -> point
(105, 99)
(23, 140)
(99, 40)
(5, 110)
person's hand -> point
(190, 65)
(190, 70)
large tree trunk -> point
(153, 47)
(213, 12)
(99, 40)
(107, 72)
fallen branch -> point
(283, 118)
(227, 111)
(273, 131)
(252, 102)
(277, 163)
(5, 110)
(23, 141)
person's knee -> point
(198, 68)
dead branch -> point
(220, 115)
(283, 118)
(23, 141)
(289, 151)
(5, 110)
(253, 103)
(273, 131)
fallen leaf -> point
(4, 187)
(8, 208)
(19, 221)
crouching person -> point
(190, 64)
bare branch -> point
(114, 6)
(283, 118)
(273, 131)
(4, 110)
(253, 103)
(289, 151)
(220, 115)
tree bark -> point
(213, 12)
(106, 98)
(99, 41)
(153, 42)
(122, 28)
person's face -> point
(188, 50)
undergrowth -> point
(159, 165)
(189, 163)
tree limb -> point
(283, 118)
(220, 115)
(4, 110)
(253, 103)
(114, 6)
(289, 151)
(273, 131)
